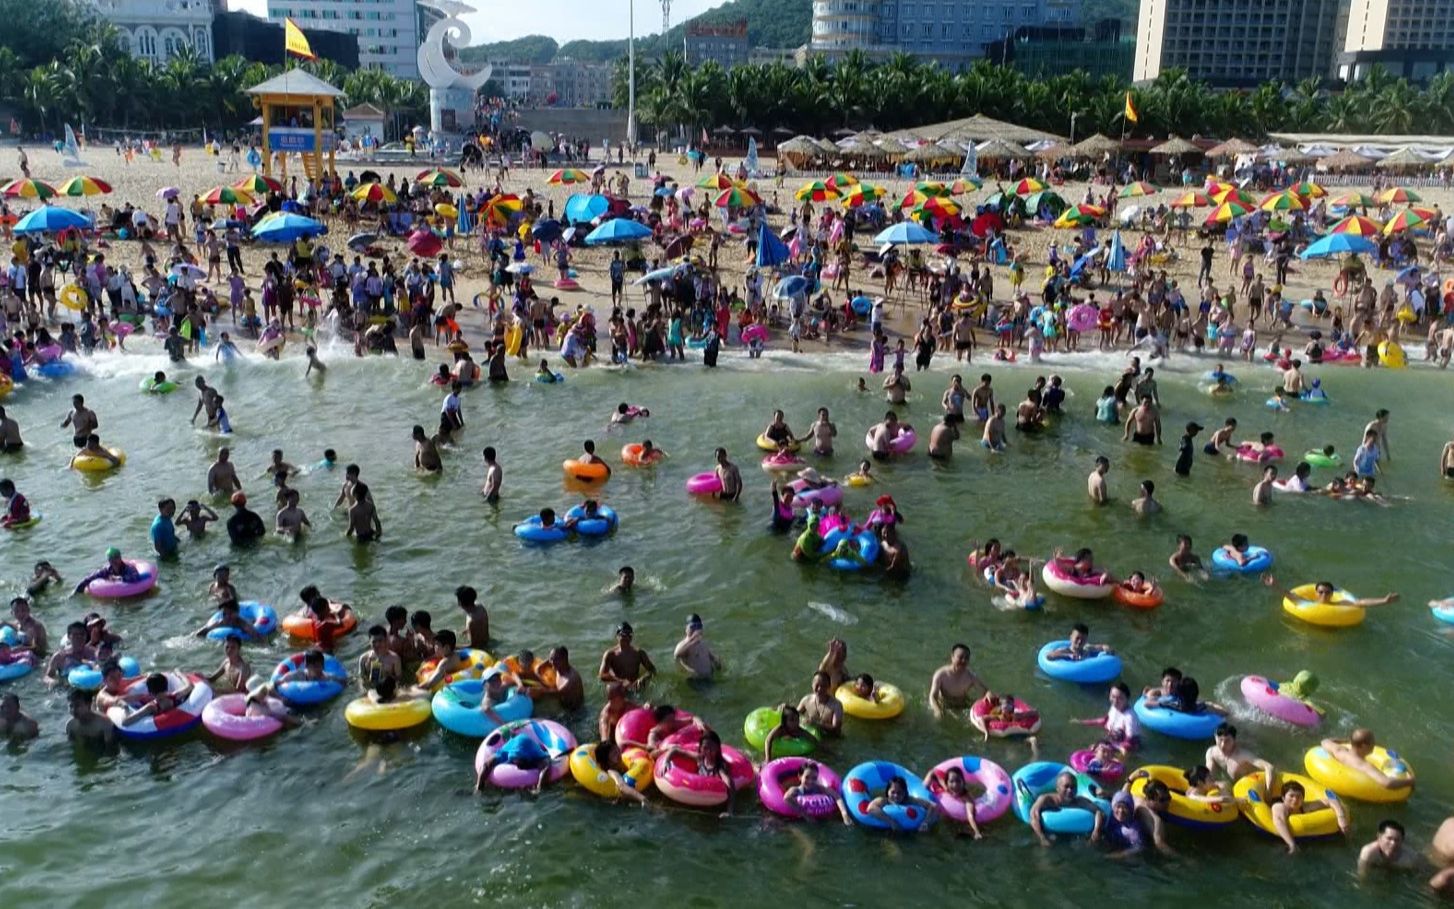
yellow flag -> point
(1131, 115)
(296, 43)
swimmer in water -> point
(952, 685)
(729, 476)
(1186, 563)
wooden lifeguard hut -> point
(297, 118)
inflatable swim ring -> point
(987, 806)
(74, 297)
(1258, 561)
(767, 444)
(1355, 784)
(475, 664)
(598, 782)
(1094, 669)
(1037, 778)
(531, 531)
(1056, 575)
(300, 625)
(1084, 761)
(1185, 811)
(87, 676)
(764, 720)
(185, 717)
(631, 455)
(1026, 721)
(588, 471)
(871, 779)
(887, 702)
(114, 589)
(832, 494)
(1303, 605)
(260, 615)
(1391, 355)
(93, 464)
(704, 484)
(20, 666)
(782, 462)
(1256, 807)
(903, 443)
(1253, 456)
(1177, 724)
(1127, 597)
(363, 713)
(226, 717)
(782, 774)
(604, 522)
(152, 387)
(456, 707)
(308, 693)
(1316, 458)
(636, 724)
(868, 549)
(1263, 694)
(678, 779)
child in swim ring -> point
(862, 476)
(1138, 584)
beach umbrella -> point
(737, 197)
(791, 286)
(28, 189)
(50, 219)
(362, 241)
(815, 191)
(227, 195)
(1036, 201)
(905, 232)
(1139, 188)
(932, 188)
(1428, 214)
(1407, 219)
(84, 186)
(936, 207)
(661, 274)
(1226, 212)
(1117, 260)
(259, 185)
(1235, 196)
(1287, 200)
(771, 251)
(445, 210)
(1409, 276)
(465, 223)
(546, 231)
(1399, 195)
(1308, 190)
(1357, 225)
(582, 207)
(1353, 199)
(187, 269)
(285, 227)
(439, 179)
(862, 194)
(374, 192)
(1338, 244)
(1074, 217)
(520, 268)
(568, 175)
(1027, 186)
(424, 243)
(716, 181)
(1191, 200)
(965, 185)
(618, 230)
(168, 192)
(843, 182)
(1214, 186)
(502, 208)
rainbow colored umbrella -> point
(1428, 214)
(1398, 195)
(439, 178)
(28, 189)
(966, 185)
(1235, 196)
(1407, 219)
(1191, 200)
(1226, 212)
(1307, 189)
(1357, 225)
(1350, 200)
(737, 197)
(84, 186)
(227, 195)
(257, 184)
(502, 208)
(936, 207)
(931, 188)
(1139, 188)
(861, 194)
(568, 175)
(1027, 186)
(1213, 186)
(913, 199)
(1072, 217)
(374, 192)
(1287, 200)
(816, 191)
(843, 182)
(718, 182)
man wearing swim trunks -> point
(494, 475)
(982, 399)
(625, 663)
(363, 517)
(1143, 426)
(729, 476)
(953, 400)
(82, 421)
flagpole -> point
(631, 76)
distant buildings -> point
(388, 31)
(1098, 50)
(726, 45)
(1411, 38)
(158, 30)
(1240, 43)
(258, 39)
(565, 83)
(952, 33)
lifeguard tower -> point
(298, 118)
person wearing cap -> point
(693, 654)
(885, 513)
(1185, 449)
(1125, 833)
(98, 637)
(116, 568)
(624, 663)
(222, 475)
(244, 526)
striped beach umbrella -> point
(28, 189)
(1287, 200)
(815, 191)
(1357, 225)
(718, 182)
(843, 182)
(936, 207)
(1226, 212)
(502, 208)
(1354, 199)
(439, 179)
(1139, 188)
(737, 197)
(568, 175)
(1407, 219)
(1191, 200)
(374, 192)
(1235, 195)
(967, 184)
(1027, 186)
(861, 194)
(84, 186)
(227, 195)
(1308, 190)
(1399, 195)
(932, 188)
(258, 185)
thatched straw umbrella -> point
(1347, 159)
(1175, 146)
(1405, 159)
(1095, 146)
(1001, 150)
(1231, 149)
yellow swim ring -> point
(1354, 784)
(475, 664)
(1303, 605)
(6, 386)
(1188, 811)
(887, 703)
(74, 296)
(596, 781)
(767, 444)
(363, 713)
(94, 464)
(1390, 354)
(857, 480)
(1256, 805)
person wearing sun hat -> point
(244, 526)
(885, 513)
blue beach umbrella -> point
(583, 207)
(1117, 262)
(661, 274)
(464, 224)
(791, 286)
(907, 233)
(286, 227)
(618, 230)
(49, 219)
(547, 231)
(1338, 244)
(771, 251)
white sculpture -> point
(449, 89)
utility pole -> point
(631, 76)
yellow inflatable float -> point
(1204, 813)
(1256, 805)
(1354, 784)
(887, 702)
(1304, 606)
(96, 464)
(598, 782)
(1390, 354)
